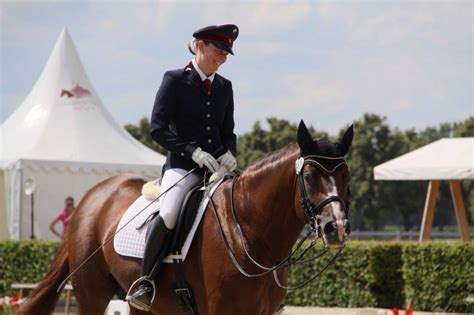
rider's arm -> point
(227, 133)
(162, 116)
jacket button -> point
(209, 140)
(208, 115)
(182, 154)
(208, 103)
(208, 128)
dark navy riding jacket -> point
(185, 117)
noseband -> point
(312, 211)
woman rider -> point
(193, 118)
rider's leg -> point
(158, 233)
(170, 203)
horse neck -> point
(265, 206)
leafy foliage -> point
(346, 283)
(253, 145)
(141, 132)
(385, 263)
(439, 277)
(24, 261)
(433, 276)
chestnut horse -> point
(268, 205)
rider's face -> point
(209, 57)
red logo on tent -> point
(77, 91)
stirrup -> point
(136, 303)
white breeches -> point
(171, 201)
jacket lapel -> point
(195, 79)
(217, 86)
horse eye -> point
(308, 177)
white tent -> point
(449, 159)
(64, 139)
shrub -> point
(432, 276)
(385, 263)
(366, 274)
(439, 276)
(24, 262)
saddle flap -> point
(187, 215)
(129, 240)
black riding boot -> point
(156, 249)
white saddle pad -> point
(130, 242)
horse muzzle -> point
(335, 233)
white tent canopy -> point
(64, 138)
(448, 158)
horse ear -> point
(305, 141)
(346, 141)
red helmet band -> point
(225, 40)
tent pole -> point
(428, 213)
(459, 209)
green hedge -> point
(366, 274)
(24, 262)
(439, 276)
(385, 263)
(433, 276)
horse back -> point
(101, 208)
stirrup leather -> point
(136, 303)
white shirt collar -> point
(201, 74)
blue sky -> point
(325, 61)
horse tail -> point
(43, 298)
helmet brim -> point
(222, 47)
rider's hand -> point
(202, 158)
(228, 161)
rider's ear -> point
(305, 141)
(346, 141)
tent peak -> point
(64, 31)
(63, 119)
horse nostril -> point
(330, 227)
(347, 227)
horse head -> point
(323, 178)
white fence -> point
(402, 235)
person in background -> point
(64, 216)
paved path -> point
(295, 310)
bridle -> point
(312, 211)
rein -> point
(312, 212)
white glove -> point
(218, 175)
(228, 161)
(202, 158)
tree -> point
(466, 129)
(253, 145)
(402, 200)
(141, 132)
(369, 148)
